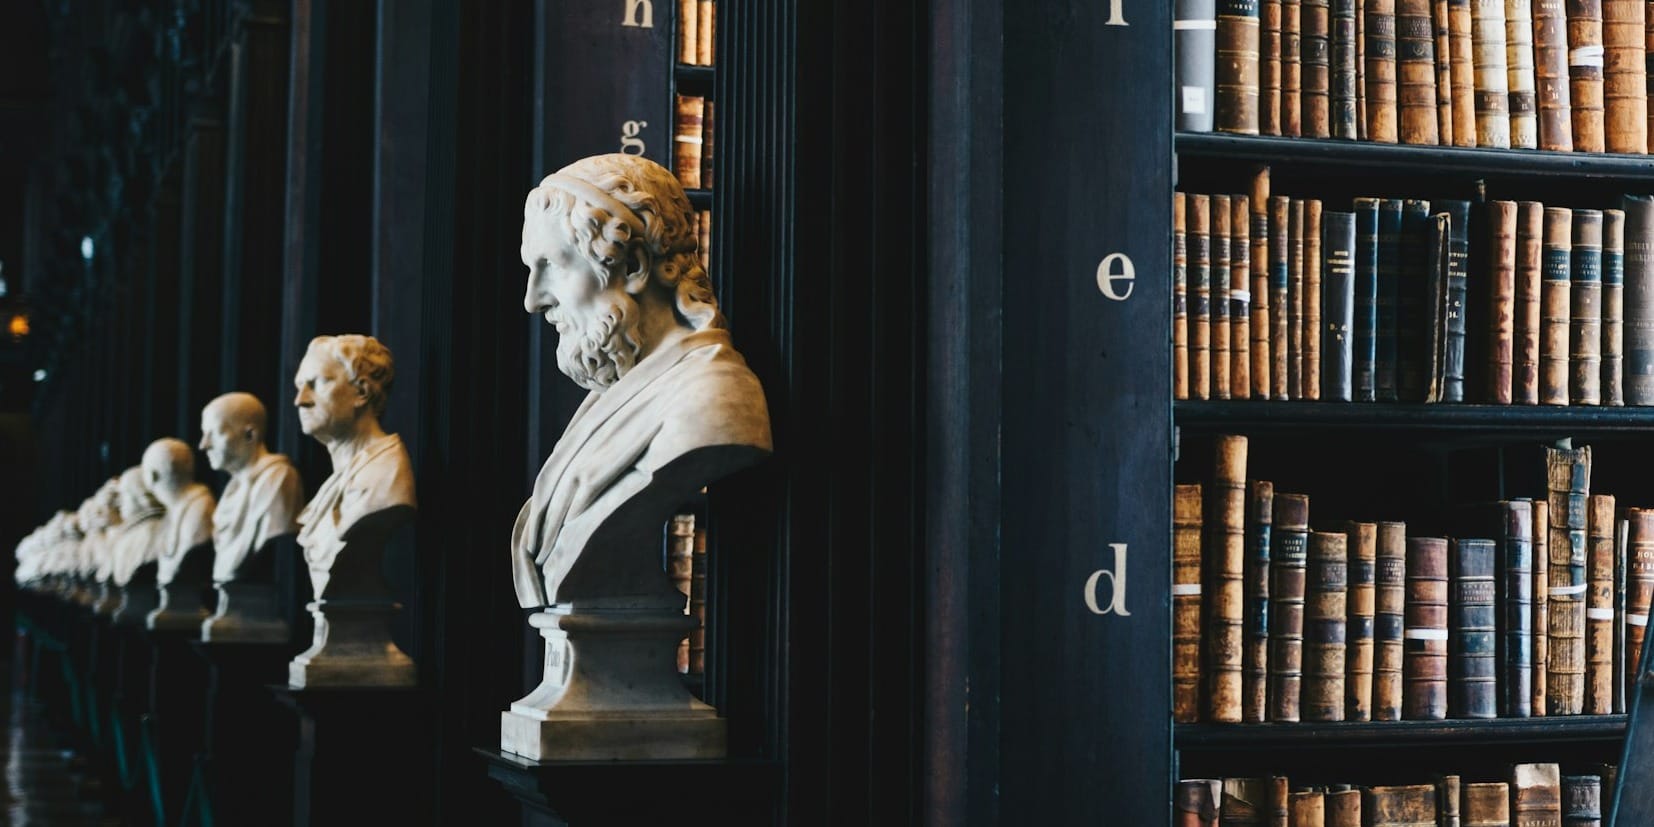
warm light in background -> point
(18, 327)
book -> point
(1309, 808)
(1524, 121)
(1389, 610)
(1447, 801)
(1287, 568)
(1220, 275)
(1361, 71)
(1530, 233)
(1260, 505)
(1625, 76)
(1389, 275)
(1457, 285)
(1535, 795)
(1550, 73)
(1317, 68)
(1412, 327)
(1460, 25)
(1280, 258)
(1240, 297)
(1622, 552)
(706, 32)
(680, 565)
(1186, 608)
(1343, 807)
(1280, 798)
(707, 161)
(1472, 672)
(697, 605)
(1639, 299)
(1492, 80)
(688, 37)
(1296, 300)
(1581, 801)
(1379, 70)
(1246, 801)
(1416, 72)
(1200, 296)
(1568, 473)
(1438, 274)
(1236, 73)
(1325, 606)
(1516, 606)
(1501, 314)
(1225, 570)
(1585, 309)
(1585, 73)
(1360, 606)
(1639, 593)
(1613, 307)
(686, 147)
(1337, 345)
(1269, 72)
(1180, 300)
(1424, 696)
(1365, 321)
(1408, 806)
(1194, 26)
(1442, 28)
(1541, 605)
(1261, 291)
(1344, 62)
(1197, 802)
(1486, 805)
(1292, 68)
(1599, 606)
(1554, 306)
(1310, 371)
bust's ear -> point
(637, 273)
(361, 400)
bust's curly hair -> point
(367, 363)
(657, 203)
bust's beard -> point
(598, 349)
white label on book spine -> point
(1425, 634)
(1185, 589)
(1637, 620)
(1567, 590)
(1195, 25)
(1194, 100)
(1599, 614)
(1240, 295)
(1586, 56)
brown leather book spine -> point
(1492, 111)
(1416, 72)
(1260, 506)
(1648, 48)
(1240, 297)
(1295, 301)
(1541, 605)
(1280, 279)
(1409, 806)
(1309, 808)
(1280, 802)
(1599, 607)
(1236, 85)
(1530, 234)
(680, 564)
(1197, 802)
(1317, 65)
(706, 31)
(1343, 808)
(1361, 71)
(1311, 368)
(1225, 573)
(697, 606)
(1186, 594)
(1360, 608)
(688, 20)
(706, 147)
(1582, 801)
(1221, 331)
(1379, 71)
(1639, 592)
(1501, 315)
(1200, 296)
(1613, 307)
(1180, 299)
(1447, 801)
(1287, 567)
(1460, 26)
(1442, 29)
(1524, 120)
(1554, 301)
(1550, 73)
(1585, 73)
(1424, 697)
(1269, 73)
(1325, 606)
(1262, 304)
(1625, 75)
(1486, 805)
(1246, 801)
(1292, 68)
(1389, 620)
(686, 157)
(1568, 476)
(1536, 795)
(1585, 309)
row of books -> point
(1412, 300)
(1533, 795)
(703, 233)
(697, 25)
(686, 565)
(1538, 608)
(692, 142)
(1491, 73)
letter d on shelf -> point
(1117, 585)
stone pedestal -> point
(137, 601)
(361, 750)
(108, 597)
(611, 691)
(173, 723)
(243, 773)
(560, 793)
(352, 646)
(183, 605)
(247, 613)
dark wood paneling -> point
(200, 275)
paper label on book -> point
(1185, 590)
(1240, 295)
(1637, 620)
(1566, 590)
(1194, 100)
(687, 139)
(1599, 614)
(1586, 56)
(1195, 25)
(1425, 634)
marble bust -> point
(185, 555)
(343, 383)
(610, 247)
(137, 547)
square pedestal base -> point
(613, 738)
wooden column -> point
(200, 276)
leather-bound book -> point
(1409, 806)
(1269, 72)
(1309, 808)
(1194, 29)
(1317, 71)
(705, 32)
(1550, 74)
(1413, 312)
(706, 148)
(1261, 299)
(1360, 605)
(1599, 606)
(1486, 805)
(1438, 275)
(1625, 76)
(1389, 277)
(1338, 329)
(1311, 369)
(1581, 801)
(1424, 697)
(1292, 68)
(1287, 565)
(1344, 808)
(1260, 505)
(1457, 298)
(1343, 106)
(1197, 802)
(1379, 71)
(1639, 299)
(1554, 306)
(688, 51)
(1416, 72)
(686, 140)
(1280, 802)
(1459, 21)
(1295, 300)
(1516, 609)
(1280, 260)
(1361, 70)
(1585, 73)
(1622, 552)
(1448, 793)
(1246, 802)
(1639, 593)
(1568, 479)
(1389, 624)
(1325, 606)
(1200, 296)
(1541, 606)
(1585, 309)
(1180, 300)
(1365, 335)
(1487, 33)
(1473, 630)
(1501, 315)
(1613, 307)
(1530, 234)
(1524, 122)
(1240, 297)
(1186, 588)
(1221, 332)
(1442, 28)
(1225, 572)
(1535, 795)
(1236, 78)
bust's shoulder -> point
(713, 399)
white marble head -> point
(232, 431)
(169, 468)
(137, 501)
(610, 246)
(341, 380)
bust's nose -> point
(536, 298)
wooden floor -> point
(44, 783)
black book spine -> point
(1338, 290)
(1366, 299)
(1516, 601)
(1195, 25)
(1412, 311)
(1472, 670)
(1388, 362)
(1343, 70)
(1458, 282)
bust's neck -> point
(244, 474)
(363, 433)
(658, 326)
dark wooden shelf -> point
(1391, 159)
(699, 199)
(1526, 421)
(1571, 728)
(694, 80)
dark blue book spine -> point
(1472, 623)
(1458, 281)
(1410, 286)
(1366, 298)
(1387, 364)
(1516, 602)
(1338, 316)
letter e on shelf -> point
(1116, 276)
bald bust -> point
(170, 467)
(261, 502)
